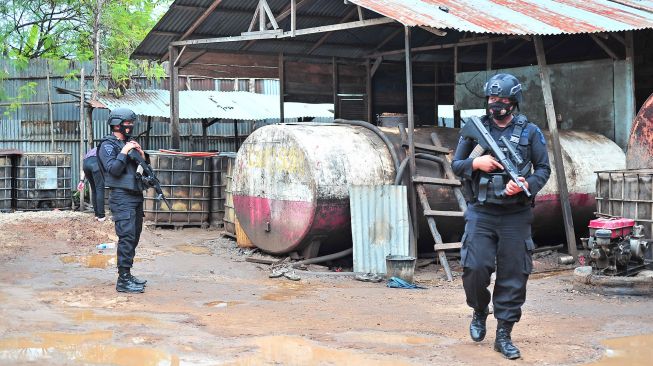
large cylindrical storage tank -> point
(640, 143)
(287, 175)
(43, 181)
(290, 183)
(185, 181)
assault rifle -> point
(148, 176)
(475, 130)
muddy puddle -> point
(193, 249)
(91, 316)
(90, 261)
(631, 351)
(286, 350)
(82, 348)
(392, 339)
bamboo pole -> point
(81, 133)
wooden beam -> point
(618, 38)
(335, 82)
(604, 47)
(261, 16)
(192, 58)
(253, 21)
(368, 90)
(268, 11)
(435, 31)
(327, 34)
(174, 99)
(376, 65)
(411, 133)
(557, 150)
(293, 16)
(388, 39)
(360, 12)
(299, 32)
(282, 91)
(463, 43)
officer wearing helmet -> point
(498, 226)
(126, 193)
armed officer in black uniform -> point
(126, 193)
(498, 218)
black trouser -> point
(95, 178)
(504, 239)
(127, 210)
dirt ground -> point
(205, 305)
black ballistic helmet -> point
(504, 86)
(119, 115)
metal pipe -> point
(324, 258)
(378, 132)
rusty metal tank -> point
(640, 142)
(291, 183)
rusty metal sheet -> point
(379, 225)
(526, 17)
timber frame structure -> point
(359, 20)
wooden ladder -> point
(449, 180)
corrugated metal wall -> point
(28, 128)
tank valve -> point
(267, 226)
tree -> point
(106, 31)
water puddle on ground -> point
(392, 339)
(631, 351)
(285, 350)
(80, 348)
(286, 291)
(91, 316)
(90, 261)
(193, 249)
(222, 304)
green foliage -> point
(63, 31)
(24, 93)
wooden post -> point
(174, 99)
(149, 126)
(435, 91)
(456, 112)
(557, 150)
(631, 108)
(81, 133)
(205, 138)
(89, 127)
(282, 89)
(368, 91)
(336, 107)
(411, 142)
(50, 114)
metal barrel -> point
(640, 143)
(5, 183)
(185, 181)
(43, 181)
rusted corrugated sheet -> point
(379, 225)
(524, 17)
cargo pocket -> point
(463, 250)
(122, 215)
(528, 256)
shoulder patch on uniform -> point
(108, 148)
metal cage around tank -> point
(186, 182)
(5, 183)
(626, 193)
(43, 181)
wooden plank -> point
(268, 11)
(557, 151)
(437, 149)
(174, 99)
(464, 43)
(368, 91)
(334, 70)
(445, 246)
(449, 174)
(282, 90)
(439, 181)
(298, 32)
(444, 213)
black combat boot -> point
(137, 280)
(503, 343)
(477, 326)
(125, 282)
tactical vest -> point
(129, 179)
(487, 187)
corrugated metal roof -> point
(524, 17)
(199, 104)
(379, 225)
